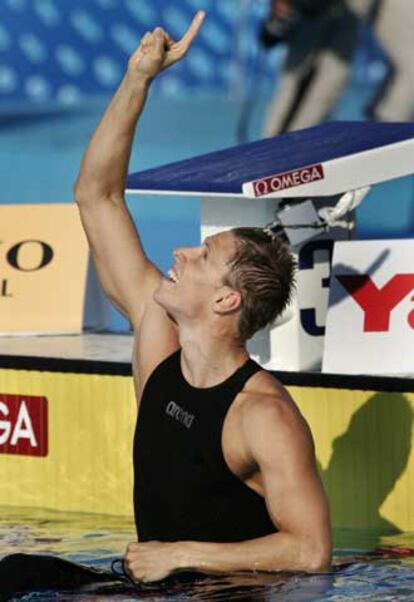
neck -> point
(207, 360)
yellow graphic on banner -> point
(43, 267)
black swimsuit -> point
(183, 487)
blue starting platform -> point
(319, 161)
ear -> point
(227, 301)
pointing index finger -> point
(193, 30)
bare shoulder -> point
(265, 395)
(269, 415)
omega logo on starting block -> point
(288, 179)
(23, 425)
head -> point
(242, 275)
(262, 269)
(195, 290)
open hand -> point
(158, 51)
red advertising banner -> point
(23, 425)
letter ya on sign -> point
(378, 303)
(23, 425)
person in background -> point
(225, 471)
(322, 38)
(393, 26)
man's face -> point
(196, 279)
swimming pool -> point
(97, 540)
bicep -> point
(296, 499)
(283, 449)
(125, 272)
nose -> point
(185, 253)
(179, 254)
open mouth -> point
(172, 275)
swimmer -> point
(225, 472)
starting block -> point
(251, 184)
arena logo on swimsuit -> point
(179, 414)
(23, 425)
(289, 179)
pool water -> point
(97, 540)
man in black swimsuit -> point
(225, 475)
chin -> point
(161, 298)
(158, 296)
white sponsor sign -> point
(370, 323)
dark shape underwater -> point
(26, 572)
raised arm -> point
(127, 275)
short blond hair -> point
(262, 270)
